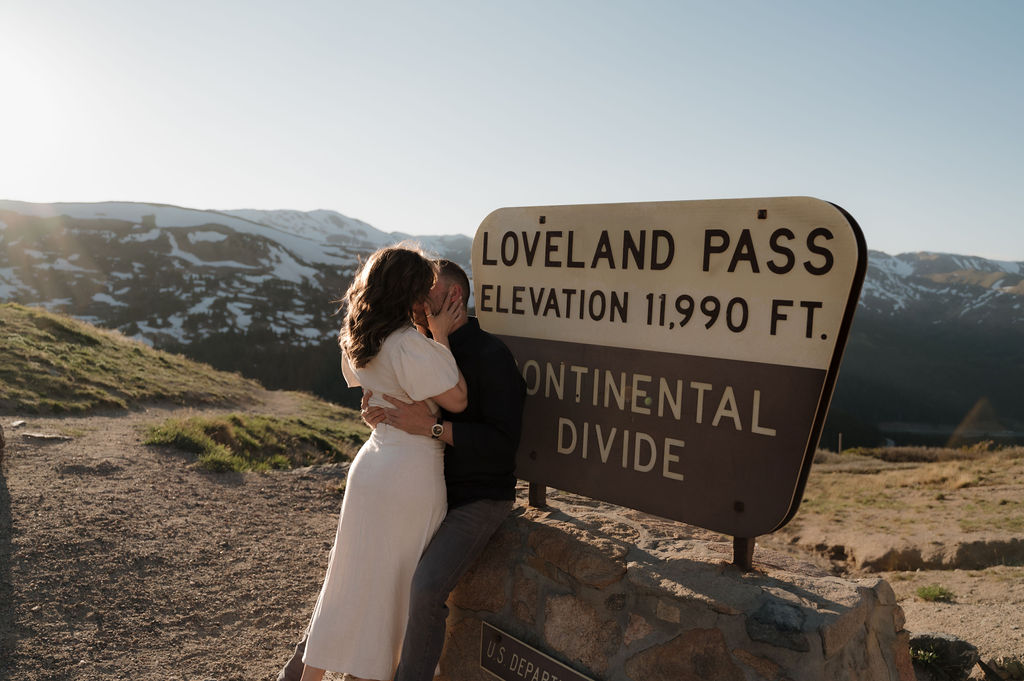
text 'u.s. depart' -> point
(679, 356)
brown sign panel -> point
(508, 658)
(679, 356)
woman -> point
(395, 495)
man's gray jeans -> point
(459, 540)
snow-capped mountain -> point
(253, 291)
(330, 227)
(165, 272)
(944, 288)
(936, 354)
(169, 274)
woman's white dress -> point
(394, 502)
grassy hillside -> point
(52, 363)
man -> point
(479, 470)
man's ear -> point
(456, 292)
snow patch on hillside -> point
(164, 216)
(9, 282)
(176, 252)
(316, 224)
(109, 300)
(65, 265)
(288, 268)
(203, 306)
(333, 228)
(890, 264)
(150, 235)
(195, 237)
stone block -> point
(902, 662)
(899, 619)
(615, 602)
(484, 585)
(765, 668)
(523, 613)
(879, 589)
(679, 612)
(837, 632)
(461, 658)
(524, 597)
(580, 632)
(696, 655)
(637, 629)
(877, 666)
(592, 561)
(669, 612)
(851, 663)
(780, 624)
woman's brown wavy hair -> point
(381, 298)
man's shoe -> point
(293, 670)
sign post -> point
(679, 356)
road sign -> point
(679, 356)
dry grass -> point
(903, 491)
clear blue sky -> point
(425, 116)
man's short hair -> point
(455, 274)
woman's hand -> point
(371, 415)
(420, 313)
(447, 318)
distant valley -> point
(936, 351)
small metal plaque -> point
(506, 657)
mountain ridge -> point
(252, 291)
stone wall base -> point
(616, 594)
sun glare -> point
(36, 111)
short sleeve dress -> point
(394, 502)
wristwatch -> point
(437, 430)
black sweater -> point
(481, 463)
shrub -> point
(934, 592)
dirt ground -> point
(119, 560)
(124, 562)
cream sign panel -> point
(679, 356)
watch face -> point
(437, 430)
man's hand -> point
(412, 417)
